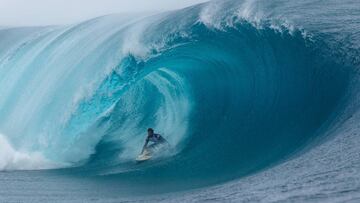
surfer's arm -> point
(146, 143)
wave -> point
(233, 91)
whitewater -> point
(258, 99)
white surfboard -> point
(144, 156)
(152, 152)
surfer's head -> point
(150, 131)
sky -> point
(54, 12)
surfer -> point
(153, 137)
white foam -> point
(208, 16)
(132, 41)
(12, 159)
(216, 15)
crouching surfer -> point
(156, 148)
(156, 140)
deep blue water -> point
(239, 88)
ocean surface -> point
(259, 100)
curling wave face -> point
(232, 90)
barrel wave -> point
(233, 92)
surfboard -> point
(142, 157)
(146, 155)
(151, 152)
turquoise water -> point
(238, 88)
